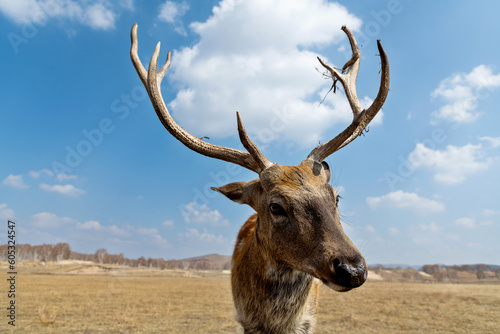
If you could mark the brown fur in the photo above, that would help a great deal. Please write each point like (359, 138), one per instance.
(274, 300)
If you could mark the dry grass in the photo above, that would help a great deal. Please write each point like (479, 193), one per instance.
(384, 307)
(170, 302)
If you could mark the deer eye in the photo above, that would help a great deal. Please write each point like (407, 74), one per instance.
(276, 209)
(337, 199)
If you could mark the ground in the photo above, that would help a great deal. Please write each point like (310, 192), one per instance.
(88, 298)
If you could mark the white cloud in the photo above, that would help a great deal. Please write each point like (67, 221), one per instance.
(22, 11)
(453, 165)
(118, 232)
(466, 222)
(90, 225)
(97, 14)
(6, 213)
(132, 234)
(151, 235)
(462, 91)
(263, 69)
(205, 237)
(201, 214)
(482, 77)
(66, 189)
(36, 174)
(91, 232)
(50, 220)
(146, 235)
(59, 177)
(15, 181)
(172, 12)
(99, 17)
(158, 240)
(403, 200)
(493, 141)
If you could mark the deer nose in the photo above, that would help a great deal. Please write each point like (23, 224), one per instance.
(350, 274)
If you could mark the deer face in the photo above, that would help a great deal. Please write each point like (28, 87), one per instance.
(299, 224)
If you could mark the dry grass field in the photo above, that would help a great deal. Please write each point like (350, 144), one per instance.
(98, 300)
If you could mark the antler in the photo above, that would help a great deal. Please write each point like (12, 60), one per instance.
(361, 117)
(253, 159)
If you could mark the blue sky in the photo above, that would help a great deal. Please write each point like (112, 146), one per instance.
(86, 161)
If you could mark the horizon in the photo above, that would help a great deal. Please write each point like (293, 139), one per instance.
(87, 162)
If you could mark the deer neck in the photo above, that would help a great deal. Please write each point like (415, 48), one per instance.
(271, 297)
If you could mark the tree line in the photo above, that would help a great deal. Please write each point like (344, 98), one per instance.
(62, 251)
(441, 273)
(449, 273)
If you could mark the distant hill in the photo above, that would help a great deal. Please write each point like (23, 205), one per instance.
(437, 273)
(396, 266)
(205, 262)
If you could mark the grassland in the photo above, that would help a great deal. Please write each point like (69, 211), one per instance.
(154, 301)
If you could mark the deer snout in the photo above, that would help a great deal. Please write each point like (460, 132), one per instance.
(350, 273)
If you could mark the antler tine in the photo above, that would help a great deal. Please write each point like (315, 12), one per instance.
(250, 146)
(253, 160)
(141, 71)
(361, 117)
(348, 80)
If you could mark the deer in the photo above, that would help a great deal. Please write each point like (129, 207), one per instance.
(295, 242)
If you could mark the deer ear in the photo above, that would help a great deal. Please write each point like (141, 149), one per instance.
(326, 168)
(241, 192)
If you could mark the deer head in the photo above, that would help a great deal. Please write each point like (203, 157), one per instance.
(298, 224)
